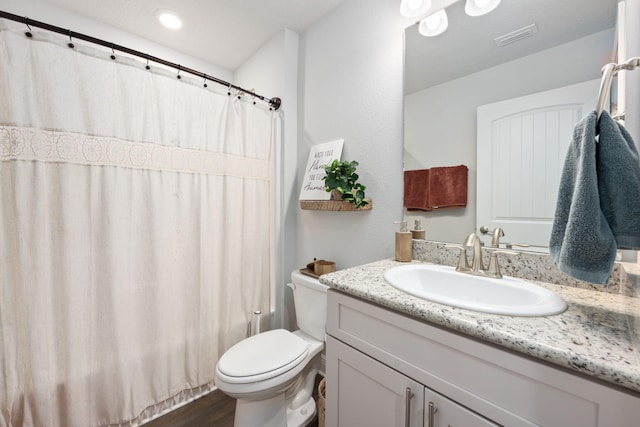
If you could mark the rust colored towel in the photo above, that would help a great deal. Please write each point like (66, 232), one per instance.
(416, 190)
(448, 187)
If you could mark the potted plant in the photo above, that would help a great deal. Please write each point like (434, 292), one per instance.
(342, 177)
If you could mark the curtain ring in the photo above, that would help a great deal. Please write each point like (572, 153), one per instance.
(229, 91)
(113, 53)
(70, 44)
(179, 69)
(27, 33)
(147, 66)
(205, 81)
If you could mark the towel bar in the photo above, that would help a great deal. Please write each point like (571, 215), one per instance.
(608, 71)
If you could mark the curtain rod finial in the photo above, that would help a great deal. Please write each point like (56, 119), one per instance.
(275, 103)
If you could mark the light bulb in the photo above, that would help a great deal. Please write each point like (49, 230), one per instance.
(169, 19)
(434, 25)
(480, 7)
(414, 8)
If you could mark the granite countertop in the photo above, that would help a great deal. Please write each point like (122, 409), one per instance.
(595, 336)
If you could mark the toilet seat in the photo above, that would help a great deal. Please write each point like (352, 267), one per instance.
(262, 357)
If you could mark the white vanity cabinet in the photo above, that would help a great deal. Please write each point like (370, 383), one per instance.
(372, 394)
(377, 358)
(390, 398)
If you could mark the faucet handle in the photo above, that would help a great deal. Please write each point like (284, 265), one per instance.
(463, 265)
(520, 245)
(494, 265)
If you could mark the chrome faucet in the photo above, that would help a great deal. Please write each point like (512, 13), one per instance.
(477, 265)
(473, 241)
(495, 237)
(496, 234)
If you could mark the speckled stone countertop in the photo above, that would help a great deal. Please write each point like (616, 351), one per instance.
(595, 336)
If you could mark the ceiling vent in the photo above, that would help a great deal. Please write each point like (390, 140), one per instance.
(516, 35)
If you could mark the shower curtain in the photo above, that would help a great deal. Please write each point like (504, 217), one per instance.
(135, 232)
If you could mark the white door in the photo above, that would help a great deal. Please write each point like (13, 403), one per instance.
(521, 147)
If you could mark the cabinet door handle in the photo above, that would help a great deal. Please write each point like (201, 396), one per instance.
(432, 413)
(407, 407)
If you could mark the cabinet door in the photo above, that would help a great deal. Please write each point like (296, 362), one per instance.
(442, 412)
(361, 391)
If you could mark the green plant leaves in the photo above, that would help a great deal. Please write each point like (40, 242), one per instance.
(342, 176)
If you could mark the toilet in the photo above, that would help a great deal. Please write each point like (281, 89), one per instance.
(272, 374)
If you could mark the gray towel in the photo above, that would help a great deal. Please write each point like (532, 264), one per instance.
(619, 182)
(598, 200)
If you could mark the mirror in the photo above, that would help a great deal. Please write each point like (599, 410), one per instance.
(449, 76)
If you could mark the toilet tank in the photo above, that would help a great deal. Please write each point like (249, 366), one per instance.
(310, 300)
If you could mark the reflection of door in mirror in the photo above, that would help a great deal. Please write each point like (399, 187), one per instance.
(441, 121)
(448, 77)
(521, 146)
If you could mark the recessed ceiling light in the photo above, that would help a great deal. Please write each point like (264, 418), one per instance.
(480, 7)
(434, 25)
(414, 8)
(169, 19)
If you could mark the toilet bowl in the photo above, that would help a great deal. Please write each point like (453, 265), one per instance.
(272, 374)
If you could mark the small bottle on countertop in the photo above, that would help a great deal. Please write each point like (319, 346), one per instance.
(418, 232)
(403, 243)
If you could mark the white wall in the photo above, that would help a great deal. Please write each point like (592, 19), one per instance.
(633, 82)
(440, 122)
(632, 122)
(351, 87)
(57, 16)
(273, 71)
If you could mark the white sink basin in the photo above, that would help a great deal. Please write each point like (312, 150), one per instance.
(444, 285)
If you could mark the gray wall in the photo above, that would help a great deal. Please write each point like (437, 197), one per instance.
(351, 88)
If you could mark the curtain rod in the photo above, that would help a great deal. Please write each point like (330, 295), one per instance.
(274, 103)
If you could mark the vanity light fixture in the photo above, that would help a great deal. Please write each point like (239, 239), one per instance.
(169, 19)
(434, 19)
(434, 25)
(414, 8)
(480, 7)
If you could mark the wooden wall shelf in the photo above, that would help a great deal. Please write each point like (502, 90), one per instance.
(333, 205)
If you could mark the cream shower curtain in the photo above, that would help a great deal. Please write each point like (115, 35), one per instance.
(135, 232)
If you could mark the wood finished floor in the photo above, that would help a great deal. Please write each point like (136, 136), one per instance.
(213, 410)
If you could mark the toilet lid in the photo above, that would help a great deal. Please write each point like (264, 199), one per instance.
(262, 353)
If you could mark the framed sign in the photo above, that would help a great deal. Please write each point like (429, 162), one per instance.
(319, 156)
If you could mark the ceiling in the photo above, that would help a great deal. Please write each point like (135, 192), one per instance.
(467, 46)
(223, 32)
(228, 32)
